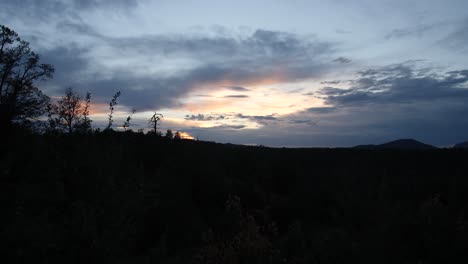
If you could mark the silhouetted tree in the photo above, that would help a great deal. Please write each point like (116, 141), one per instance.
(169, 134)
(19, 68)
(112, 104)
(70, 113)
(85, 122)
(127, 121)
(177, 136)
(153, 122)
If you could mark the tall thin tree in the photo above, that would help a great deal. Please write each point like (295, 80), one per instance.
(154, 120)
(127, 121)
(112, 104)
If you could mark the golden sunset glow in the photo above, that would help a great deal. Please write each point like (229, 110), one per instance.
(263, 98)
(99, 108)
(185, 135)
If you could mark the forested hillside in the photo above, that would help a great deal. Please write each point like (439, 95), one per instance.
(115, 197)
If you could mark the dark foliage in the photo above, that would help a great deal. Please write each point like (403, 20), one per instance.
(135, 198)
(126, 124)
(169, 134)
(70, 113)
(20, 99)
(112, 105)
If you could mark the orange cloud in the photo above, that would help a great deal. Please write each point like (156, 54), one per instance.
(98, 108)
(185, 135)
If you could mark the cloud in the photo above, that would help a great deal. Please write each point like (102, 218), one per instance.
(156, 71)
(342, 60)
(35, 15)
(304, 121)
(331, 82)
(70, 63)
(257, 117)
(414, 31)
(457, 39)
(95, 46)
(327, 91)
(84, 4)
(260, 119)
(202, 117)
(343, 31)
(231, 126)
(237, 88)
(399, 83)
(321, 110)
(52, 7)
(382, 104)
(236, 96)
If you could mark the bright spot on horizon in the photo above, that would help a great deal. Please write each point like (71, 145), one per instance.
(186, 135)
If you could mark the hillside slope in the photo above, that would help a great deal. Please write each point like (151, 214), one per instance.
(140, 199)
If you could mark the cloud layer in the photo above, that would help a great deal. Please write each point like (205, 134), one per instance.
(154, 72)
(301, 81)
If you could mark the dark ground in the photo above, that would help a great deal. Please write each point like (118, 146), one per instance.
(133, 198)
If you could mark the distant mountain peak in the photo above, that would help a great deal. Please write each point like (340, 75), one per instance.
(462, 145)
(403, 144)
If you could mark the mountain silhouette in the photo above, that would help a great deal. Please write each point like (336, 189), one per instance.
(463, 145)
(403, 144)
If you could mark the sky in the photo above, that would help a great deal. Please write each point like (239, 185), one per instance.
(277, 73)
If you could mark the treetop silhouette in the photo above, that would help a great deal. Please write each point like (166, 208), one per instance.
(20, 99)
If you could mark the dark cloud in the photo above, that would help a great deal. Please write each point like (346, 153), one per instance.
(298, 90)
(236, 96)
(399, 84)
(458, 39)
(85, 4)
(303, 122)
(46, 8)
(220, 59)
(382, 104)
(202, 117)
(153, 92)
(331, 82)
(34, 14)
(69, 62)
(80, 29)
(227, 127)
(327, 91)
(343, 31)
(414, 31)
(441, 122)
(260, 119)
(144, 93)
(261, 47)
(263, 51)
(237, 88)
(321, 110)
(342, 60)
